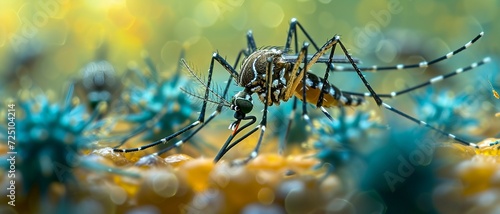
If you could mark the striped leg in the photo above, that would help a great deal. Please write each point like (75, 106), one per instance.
(153, 80)
(201, 118)
(304, 73)
(430, 82)
(358, 71)
(422, 64)
(308, 64)
(319, 103)
(292, 35)
(420, 122)
(262, 125)
(251, 46)
(222, 103)
(292, 32)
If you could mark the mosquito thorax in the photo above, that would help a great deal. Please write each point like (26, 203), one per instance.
(254, 67)
(253, 74)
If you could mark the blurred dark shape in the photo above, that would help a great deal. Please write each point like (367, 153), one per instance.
(99, 82)
(21, 62)
(402, 172)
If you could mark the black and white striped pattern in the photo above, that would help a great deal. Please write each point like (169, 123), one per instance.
(422, 64)
(430, 82)
(308, 82)
(344, 99)
(420, 122)
(161, 141)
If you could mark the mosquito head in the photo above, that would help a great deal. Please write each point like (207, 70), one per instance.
(242, 104)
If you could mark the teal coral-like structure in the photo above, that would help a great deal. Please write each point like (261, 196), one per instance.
(450, 112)
(50, 138)
(158, 104)
(340, 141)
(65, 162)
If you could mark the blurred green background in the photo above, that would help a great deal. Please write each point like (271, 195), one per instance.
(44, 44)
(47, 42)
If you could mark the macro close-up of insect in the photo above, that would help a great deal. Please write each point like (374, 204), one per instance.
(237, 106)
(275, 76)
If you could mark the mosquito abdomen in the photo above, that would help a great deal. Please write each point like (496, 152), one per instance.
(332, 96)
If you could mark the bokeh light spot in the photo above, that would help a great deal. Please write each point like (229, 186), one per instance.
(206, 13)
(265, 195)
(170, 53)
(271, 14)
(486, 11)
(188, 30)
(386, 51)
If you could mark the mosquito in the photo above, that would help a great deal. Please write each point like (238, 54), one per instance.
(275, 76)
(493, 91)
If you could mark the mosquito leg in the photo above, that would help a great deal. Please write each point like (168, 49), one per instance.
(282, 142)
(179, 143)
(207, 91)
(216, 112)
(263, 122)
(292, 34)
(146, 159)
(262, 125)
(429, 82)
(251, 46)
(422, 64)
(147, 81)
(304, 94)
(361, 76)
(329, 44)
(201, 118)
(319, 103)
(145, 126)
(420, 122)
(228, 145)
(226, 65)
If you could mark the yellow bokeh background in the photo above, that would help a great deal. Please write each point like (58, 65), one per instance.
(67, 34)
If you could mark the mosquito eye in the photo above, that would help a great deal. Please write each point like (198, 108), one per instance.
(245, 106)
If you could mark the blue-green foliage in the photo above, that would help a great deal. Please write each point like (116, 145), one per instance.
(443, 110)
(338, 141)
(49, 140)
(159, 104)
(298, 133)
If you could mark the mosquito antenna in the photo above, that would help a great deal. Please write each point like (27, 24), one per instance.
(226, 103)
